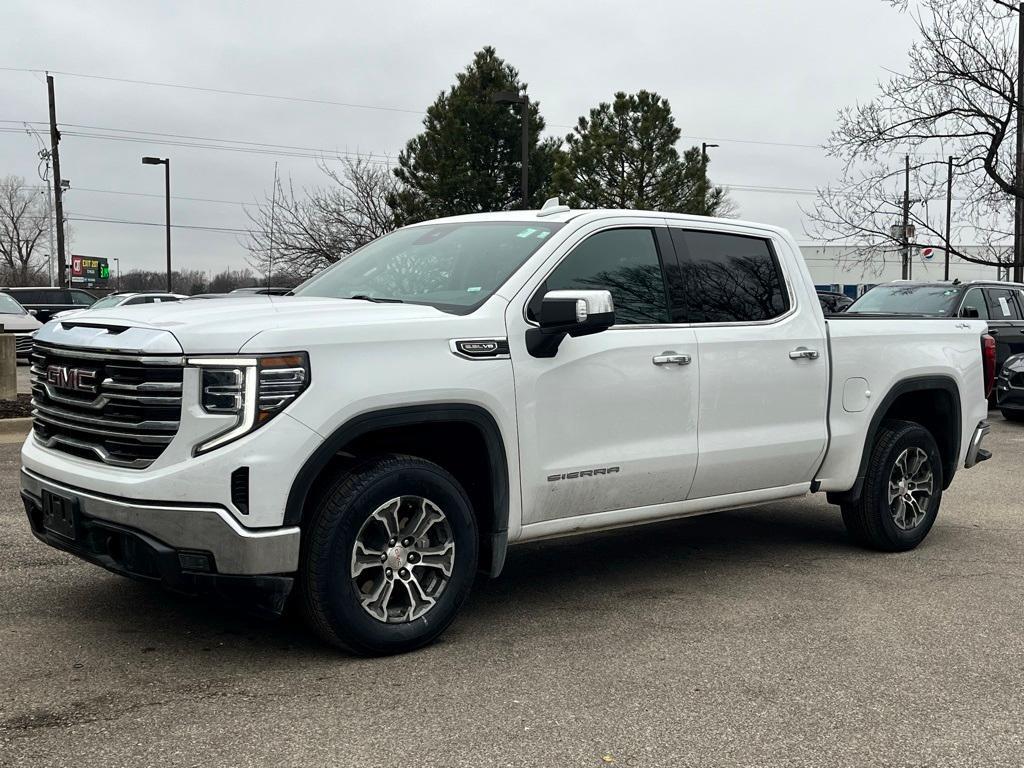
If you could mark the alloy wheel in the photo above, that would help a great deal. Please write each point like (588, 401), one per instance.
(402, 559)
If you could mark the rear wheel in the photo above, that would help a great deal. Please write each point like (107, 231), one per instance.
(1012, 415)
(389, 556)
(902, 490)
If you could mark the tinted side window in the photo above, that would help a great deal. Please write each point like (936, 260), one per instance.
(29, 297)
(81, 298)
(975, 299)
(1001, 304)
(623, 261)
(727, 278)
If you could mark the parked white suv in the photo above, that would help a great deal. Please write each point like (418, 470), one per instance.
(127, 299)
(469, 383)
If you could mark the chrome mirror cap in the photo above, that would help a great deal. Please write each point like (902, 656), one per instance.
(587, 302)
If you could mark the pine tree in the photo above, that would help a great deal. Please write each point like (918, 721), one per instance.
(624, 156)
(467, 159)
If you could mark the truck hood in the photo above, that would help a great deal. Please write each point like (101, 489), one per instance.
(221, 326)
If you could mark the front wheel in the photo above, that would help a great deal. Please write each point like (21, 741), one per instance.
(389, 556)
(1012, 415)
(902, 490)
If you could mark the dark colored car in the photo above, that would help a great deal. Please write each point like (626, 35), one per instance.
(1001, 305)
(833, 302)
(1010, 388)
(44, 302)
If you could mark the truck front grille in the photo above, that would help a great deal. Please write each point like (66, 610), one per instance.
(120, 409)
(23, 344)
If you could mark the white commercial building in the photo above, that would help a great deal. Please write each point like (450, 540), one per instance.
(836, 268)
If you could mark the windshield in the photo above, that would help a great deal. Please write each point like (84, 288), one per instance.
(908, 300)
(107, 301)
(8, 305)
(454, 267)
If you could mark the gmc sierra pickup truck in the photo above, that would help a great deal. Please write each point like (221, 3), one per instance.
(370, 443)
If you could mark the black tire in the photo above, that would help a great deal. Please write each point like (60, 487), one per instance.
(869, 521)
(329, 597)
(1012, 415)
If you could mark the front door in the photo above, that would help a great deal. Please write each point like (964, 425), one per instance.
(607, 423)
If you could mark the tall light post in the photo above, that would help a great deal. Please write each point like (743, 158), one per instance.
(514, 97)
(117, 261)
(704, 147)
(166, 163)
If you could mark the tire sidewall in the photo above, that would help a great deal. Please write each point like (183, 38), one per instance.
(339, 594)
(916, 437)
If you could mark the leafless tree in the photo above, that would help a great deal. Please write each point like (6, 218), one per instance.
(957, 97)
(23, 225)
(297, 233)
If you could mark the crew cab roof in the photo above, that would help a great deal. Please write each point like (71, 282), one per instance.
(592, 214)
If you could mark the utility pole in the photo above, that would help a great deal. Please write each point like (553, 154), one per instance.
(58, 189)
(949, 213)
(906, 221)
(1018, 208)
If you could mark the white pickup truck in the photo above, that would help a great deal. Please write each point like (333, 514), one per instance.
(372, 441)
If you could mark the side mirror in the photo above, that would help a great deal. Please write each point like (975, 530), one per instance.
(569, 313)
(970, 312)
(33, 312)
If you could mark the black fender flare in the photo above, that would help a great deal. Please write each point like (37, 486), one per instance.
(913, 384)
(372, 421)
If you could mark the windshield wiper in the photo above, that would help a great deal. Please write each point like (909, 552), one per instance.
(376, 299)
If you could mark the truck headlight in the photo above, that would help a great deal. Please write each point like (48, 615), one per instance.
(253, 389)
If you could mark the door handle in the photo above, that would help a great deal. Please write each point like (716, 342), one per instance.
(803, 353)
(993, 331)
(670, 358)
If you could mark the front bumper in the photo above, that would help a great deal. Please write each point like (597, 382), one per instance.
(975, 453)
(186, 547)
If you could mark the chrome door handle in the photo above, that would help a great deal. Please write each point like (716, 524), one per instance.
(803, 353)
(670, 358)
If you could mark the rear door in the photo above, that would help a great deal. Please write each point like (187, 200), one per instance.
(1005, 322)
(763, 362)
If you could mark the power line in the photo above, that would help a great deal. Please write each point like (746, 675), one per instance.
(352, 105)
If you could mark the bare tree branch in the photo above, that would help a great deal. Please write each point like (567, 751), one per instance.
(296, 234)
(23, 222)
(957, 97)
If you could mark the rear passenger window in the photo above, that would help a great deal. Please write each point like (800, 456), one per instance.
(1002, 305)
(726, 278)
(622, 261)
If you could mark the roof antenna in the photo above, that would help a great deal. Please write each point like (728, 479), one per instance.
(552, 206)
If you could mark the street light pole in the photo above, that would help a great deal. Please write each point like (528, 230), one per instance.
(704, 147)
(166, 163)
(514, 97)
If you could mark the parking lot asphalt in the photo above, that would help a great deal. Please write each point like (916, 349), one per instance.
(757, 637)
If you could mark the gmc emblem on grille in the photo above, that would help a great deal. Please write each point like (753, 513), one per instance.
(65, 377)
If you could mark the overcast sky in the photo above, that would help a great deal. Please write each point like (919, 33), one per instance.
(735, 72)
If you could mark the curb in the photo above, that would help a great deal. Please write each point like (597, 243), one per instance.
(11, 428)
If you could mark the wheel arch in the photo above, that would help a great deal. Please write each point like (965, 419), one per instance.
(400, 429)
(931, 401)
